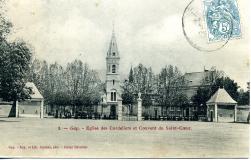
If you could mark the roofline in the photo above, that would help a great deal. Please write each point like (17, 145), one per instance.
(198, 72)
(221, 103)
(34, 99)
(197, 86)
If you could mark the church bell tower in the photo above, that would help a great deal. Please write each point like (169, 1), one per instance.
(113, 92)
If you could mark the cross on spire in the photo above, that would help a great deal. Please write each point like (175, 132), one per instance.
(113, 24)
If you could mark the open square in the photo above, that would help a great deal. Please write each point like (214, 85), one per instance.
(84, 138)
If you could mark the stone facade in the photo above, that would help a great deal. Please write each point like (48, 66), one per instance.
(111, 101)
(30, 108)
(221, 107)
(33, 107)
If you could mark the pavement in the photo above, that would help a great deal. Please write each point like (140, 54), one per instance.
(79, 138)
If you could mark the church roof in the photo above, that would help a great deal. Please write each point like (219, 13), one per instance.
(35, 94)
(113, 48)
(221, 97)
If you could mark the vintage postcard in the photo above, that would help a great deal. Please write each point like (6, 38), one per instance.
(124, 78)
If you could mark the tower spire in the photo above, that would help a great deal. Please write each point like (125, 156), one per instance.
(113, 92)
(113, 49)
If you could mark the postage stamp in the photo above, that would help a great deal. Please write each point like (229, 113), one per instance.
(222, 19)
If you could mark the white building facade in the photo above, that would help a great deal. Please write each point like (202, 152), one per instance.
(112, 102)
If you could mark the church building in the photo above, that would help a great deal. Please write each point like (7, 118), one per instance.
(111, 102)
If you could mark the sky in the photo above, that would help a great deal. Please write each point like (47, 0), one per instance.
(147, 31)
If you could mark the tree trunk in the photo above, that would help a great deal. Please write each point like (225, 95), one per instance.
(52, 111)
(161, 108)
(64, 110)
(101, 111)
(13, 110)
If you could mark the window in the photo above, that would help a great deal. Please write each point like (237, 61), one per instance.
(231, 115)
(113, 82)
(113, 54)
(113, 68)
(113, 96)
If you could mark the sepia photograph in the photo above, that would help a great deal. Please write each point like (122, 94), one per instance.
(124, 79)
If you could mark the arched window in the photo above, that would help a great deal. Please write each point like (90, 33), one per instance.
(113, 54)
(113, 96)
(113, 68)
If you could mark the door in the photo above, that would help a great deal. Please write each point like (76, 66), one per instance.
(156, 113)
(113, 112)
(211, 116)
(187, 112)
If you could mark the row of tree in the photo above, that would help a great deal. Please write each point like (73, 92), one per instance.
(78, 86)
(165, 88)
(75, 85)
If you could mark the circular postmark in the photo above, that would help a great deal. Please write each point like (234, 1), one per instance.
(206, 31)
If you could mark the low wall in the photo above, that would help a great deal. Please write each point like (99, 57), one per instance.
(5, 110)
(29, 109)
(242, 115)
